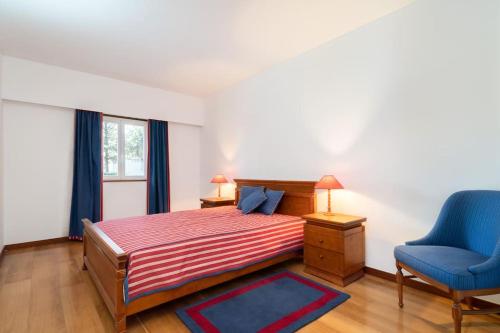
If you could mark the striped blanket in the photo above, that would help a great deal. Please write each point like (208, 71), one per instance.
(169, 250)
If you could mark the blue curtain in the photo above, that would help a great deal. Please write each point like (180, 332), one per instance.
(158, 173)
(87, 172)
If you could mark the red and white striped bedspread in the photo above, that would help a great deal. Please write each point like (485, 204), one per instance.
(168, 250)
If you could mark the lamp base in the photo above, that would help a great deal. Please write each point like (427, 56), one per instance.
(328, 213)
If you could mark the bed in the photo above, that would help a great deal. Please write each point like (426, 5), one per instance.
(138, 263)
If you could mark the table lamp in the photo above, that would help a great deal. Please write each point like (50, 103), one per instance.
(219, 179)
(329, 182)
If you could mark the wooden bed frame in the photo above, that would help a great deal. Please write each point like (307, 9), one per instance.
(107, 262)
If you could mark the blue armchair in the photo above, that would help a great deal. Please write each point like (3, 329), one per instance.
(461, 254)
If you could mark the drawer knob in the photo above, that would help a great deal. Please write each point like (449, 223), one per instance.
(321, 241)
(321, 256)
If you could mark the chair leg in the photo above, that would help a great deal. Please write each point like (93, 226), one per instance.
(456, 311)
(399, 280)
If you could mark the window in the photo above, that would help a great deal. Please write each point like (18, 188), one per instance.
(124, 149)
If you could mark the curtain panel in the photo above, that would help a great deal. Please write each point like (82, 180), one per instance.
(158, 198)
(86, 200)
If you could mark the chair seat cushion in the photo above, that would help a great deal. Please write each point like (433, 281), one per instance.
(444, 264)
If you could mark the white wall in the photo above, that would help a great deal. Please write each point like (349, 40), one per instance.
(184, 152)
(33, 82)
(404, 111)
(122, 199)
(38, 171)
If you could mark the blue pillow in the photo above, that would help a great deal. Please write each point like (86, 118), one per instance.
(273, 199)
(252, 201)
(245, 191)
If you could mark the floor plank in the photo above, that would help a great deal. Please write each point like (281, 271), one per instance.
(14, 306)
(43, 289)
(45, 307)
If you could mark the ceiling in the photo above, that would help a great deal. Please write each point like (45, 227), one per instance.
(195, 47)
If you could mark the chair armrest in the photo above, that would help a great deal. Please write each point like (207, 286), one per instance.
(490, 264)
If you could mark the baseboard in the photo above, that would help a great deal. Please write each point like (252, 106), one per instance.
(1, 254)
(476, 302)
(35, 243)
(410, 283)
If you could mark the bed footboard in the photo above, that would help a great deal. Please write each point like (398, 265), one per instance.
(106, 263)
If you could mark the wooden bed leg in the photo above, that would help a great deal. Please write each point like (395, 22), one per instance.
(84, 267)
(400, 280)
(456, 310)
(120, 323)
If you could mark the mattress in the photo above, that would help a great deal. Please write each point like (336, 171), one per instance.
(168, 250)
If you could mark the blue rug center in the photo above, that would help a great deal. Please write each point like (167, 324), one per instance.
(261, 306)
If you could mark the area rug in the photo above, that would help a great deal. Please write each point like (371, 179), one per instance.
(283, 302)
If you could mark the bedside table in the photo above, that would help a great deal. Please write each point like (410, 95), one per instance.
(334, 247)
(216, 202)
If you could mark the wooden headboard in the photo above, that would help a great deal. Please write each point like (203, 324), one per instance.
(299, 198)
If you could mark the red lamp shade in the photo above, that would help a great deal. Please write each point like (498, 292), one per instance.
(328, 182)
(219, 179)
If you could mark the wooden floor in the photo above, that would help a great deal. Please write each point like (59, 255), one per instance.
(43, 289)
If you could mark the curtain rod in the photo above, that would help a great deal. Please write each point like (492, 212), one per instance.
(123, 117)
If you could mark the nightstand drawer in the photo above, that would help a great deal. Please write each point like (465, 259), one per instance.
(329, 239)
(323, 259)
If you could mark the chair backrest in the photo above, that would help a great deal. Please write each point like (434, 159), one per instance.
(470, 220)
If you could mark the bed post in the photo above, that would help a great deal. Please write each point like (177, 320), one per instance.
(120, 315)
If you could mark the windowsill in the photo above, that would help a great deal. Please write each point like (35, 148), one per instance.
(123, 180)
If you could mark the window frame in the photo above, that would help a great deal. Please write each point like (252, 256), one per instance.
(121, 148)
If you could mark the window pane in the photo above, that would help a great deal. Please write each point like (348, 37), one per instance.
(134, 150)
(110, 148)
